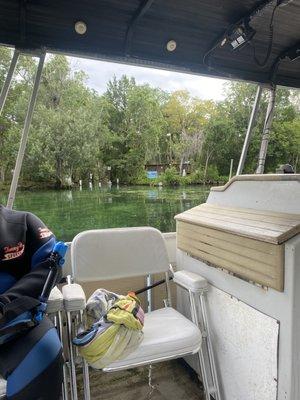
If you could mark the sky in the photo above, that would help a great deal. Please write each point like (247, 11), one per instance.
(100, 72)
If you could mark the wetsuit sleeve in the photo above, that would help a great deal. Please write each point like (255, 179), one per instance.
(39, 244)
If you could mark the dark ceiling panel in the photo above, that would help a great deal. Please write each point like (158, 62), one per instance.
(194, 24)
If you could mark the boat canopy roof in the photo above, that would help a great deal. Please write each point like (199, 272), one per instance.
(257, 41)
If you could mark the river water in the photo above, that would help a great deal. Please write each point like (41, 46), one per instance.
(70, 211)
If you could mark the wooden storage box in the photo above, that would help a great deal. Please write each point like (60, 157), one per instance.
(246, 242)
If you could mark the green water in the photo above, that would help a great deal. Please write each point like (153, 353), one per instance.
(68, 212)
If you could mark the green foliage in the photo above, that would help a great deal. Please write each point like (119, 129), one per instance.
(136, 121)
(170, 177)
(76, 132)
(140, 178)
(210, 176)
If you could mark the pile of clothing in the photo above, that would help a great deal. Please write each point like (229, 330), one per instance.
(116, 324)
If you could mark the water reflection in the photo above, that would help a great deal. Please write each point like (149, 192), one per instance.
(69, 195)
(151, 194)
(69, 212)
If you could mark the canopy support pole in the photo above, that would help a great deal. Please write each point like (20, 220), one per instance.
(24, 138)
(249, 130)
(8, 79)
(266, 131)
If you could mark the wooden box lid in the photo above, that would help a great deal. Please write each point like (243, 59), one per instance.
(265, 226)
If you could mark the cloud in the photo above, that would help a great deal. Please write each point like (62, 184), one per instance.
(100, 72)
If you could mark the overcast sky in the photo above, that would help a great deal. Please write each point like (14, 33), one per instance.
(100, 72)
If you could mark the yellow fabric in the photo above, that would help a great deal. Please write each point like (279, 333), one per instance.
(125, 341)
(121, 313)
(98, 347)
(121, 337)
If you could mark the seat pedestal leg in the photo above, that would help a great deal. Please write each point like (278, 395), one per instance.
(205, 354)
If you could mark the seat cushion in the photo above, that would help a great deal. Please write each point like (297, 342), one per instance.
(2, 387)
(167, 334)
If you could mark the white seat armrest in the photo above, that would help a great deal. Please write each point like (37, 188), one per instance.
(2, 388)
(55, 302)
(74, 297)
(190, 281)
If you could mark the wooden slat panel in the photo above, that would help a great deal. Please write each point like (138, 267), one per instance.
(270, 255)
(263, 225)
(250, 259)
(256, 245)
(229, 256)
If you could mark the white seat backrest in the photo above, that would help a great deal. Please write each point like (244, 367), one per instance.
(67, 268)
(105, 254)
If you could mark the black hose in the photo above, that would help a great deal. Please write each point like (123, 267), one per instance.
(146, 288)
(270, 44)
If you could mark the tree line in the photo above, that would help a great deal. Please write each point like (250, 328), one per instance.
(76, 131)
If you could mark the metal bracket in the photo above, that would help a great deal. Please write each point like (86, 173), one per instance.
(223, 38)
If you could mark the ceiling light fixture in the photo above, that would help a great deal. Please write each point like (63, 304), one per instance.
(171, 45)
(80, 27)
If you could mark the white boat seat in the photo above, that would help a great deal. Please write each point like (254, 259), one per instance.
(167, 334)
(2, 387)
(117, 253)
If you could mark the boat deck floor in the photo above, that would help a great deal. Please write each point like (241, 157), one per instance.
(173, 380)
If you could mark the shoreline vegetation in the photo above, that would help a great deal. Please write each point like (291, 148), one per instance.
(78, 134)
(169, 178)
(177, 181)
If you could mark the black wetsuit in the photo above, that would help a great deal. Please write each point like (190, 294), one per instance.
(31, 364)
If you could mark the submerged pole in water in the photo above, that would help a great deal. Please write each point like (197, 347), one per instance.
(266, 131)
(249, 130)
(22, 147)
(8, 79)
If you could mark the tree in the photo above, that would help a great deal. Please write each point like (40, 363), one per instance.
(237, 110)
(68, 125)
(12, 118)
(187, 118)
(136, 123)
(76, 131)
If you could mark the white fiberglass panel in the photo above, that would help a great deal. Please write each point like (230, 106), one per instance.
(245, 343)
